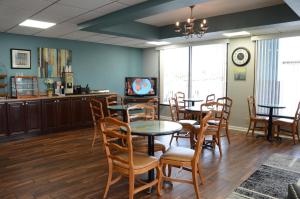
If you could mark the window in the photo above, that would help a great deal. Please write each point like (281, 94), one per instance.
(174, 72)
(208, 72)
(197, 71)
(278, 72)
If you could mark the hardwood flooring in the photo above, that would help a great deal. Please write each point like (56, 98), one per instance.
(62, 166)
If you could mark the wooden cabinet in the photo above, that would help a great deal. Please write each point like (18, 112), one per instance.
(33, 115)
(24, 116)
(56, 114)
(81, 113)
(16, 117)
(3, 118)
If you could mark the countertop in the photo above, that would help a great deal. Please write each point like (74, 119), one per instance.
(56, 97)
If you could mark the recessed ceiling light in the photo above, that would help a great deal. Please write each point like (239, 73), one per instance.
(158, 43)
(37, 24)
(233, 34)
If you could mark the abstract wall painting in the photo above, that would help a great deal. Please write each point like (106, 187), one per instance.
(240, 73)
(51, 62)
(20, 58)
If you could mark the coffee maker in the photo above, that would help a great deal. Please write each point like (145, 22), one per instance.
(68, 82)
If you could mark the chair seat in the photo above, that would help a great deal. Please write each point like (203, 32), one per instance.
(262, 118)
(179, 154)
(140, 160)
(283, 121)
(142, 146)
(191, 122)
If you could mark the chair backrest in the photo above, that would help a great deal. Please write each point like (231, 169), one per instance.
(173, 109)
(180, 96)
(215, 108)
(297, 114)
(210, 98)
(251, 106)
(96, 110)
(114, 148)
(155, 103)
(114, 99)
(140, 112)
(227, 104)
(200, 136)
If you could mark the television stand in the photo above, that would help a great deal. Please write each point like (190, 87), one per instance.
(140, 100)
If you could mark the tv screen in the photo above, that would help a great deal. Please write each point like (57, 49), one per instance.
(140, 86)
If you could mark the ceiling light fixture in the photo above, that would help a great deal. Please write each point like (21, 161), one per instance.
(192, 27)
(234, 34)
(37, 24)
(158, 43)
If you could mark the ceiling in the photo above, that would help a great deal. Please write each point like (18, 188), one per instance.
(134, 22)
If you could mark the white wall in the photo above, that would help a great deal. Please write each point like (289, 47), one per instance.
(237, 90)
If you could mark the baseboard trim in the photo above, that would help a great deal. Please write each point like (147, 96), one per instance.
(238, 128)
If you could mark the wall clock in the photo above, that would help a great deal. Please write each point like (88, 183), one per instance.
(240, 56)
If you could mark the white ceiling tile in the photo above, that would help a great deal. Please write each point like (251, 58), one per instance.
(24, 30)
(131, 2)
(58, 30)
(58, 13)
(29, 5)
(86, 4)
(78, 35)
(98, 37)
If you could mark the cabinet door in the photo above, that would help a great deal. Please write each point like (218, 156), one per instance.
(16, 117)
(76, 111)
(63, 114)
(49, 115)
(86, 115)
(33, 115)
(3, 120)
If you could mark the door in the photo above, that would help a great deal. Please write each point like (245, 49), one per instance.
(63, 114)
(3, 120)
(49, 115)
(16, 117)
(33, 115)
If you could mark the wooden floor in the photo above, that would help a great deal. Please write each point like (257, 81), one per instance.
(62, 166)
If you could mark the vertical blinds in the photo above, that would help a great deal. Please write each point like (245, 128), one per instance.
(266, 79)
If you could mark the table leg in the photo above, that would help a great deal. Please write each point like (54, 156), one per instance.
(270, 123)
(193, 103)
(125, 119)
(151, 174)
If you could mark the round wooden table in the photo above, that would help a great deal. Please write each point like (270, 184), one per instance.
(151, 128)
(270, 122)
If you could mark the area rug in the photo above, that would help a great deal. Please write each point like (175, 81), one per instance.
(271, 179)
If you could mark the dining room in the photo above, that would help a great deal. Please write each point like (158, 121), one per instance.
(149, 99)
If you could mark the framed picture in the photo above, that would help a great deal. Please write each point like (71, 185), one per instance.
(20, 58)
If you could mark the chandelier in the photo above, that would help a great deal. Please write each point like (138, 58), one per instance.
(192, 27)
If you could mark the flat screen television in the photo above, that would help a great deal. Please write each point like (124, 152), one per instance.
(140, 86)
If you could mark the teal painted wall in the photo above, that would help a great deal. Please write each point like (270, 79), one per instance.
(99, 65)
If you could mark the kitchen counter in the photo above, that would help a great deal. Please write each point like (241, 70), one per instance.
(56, 97)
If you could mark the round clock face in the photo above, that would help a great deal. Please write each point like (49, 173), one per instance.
(240, 56)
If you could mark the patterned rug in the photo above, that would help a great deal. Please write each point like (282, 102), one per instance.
(271, 179)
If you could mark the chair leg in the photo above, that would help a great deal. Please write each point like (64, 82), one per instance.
(169, 170)
(108, 183)
(227, 133)
(200, 174)
(159, 182)
(254, 126)
(131, 186)
(293, 134)
(249, 128)
(94, 139)
(219, 144)
(195, 181)
(297, 134)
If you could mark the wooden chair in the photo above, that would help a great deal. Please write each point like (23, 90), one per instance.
(155, 103)
(114, 100)
(143, 112)
(255, 119)
(214, 130)
(179, 97)
(292, 124)
(97, 114)
(122, 160)
(226, 105)
(210, 98)
(186, 131)
(187, 159)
